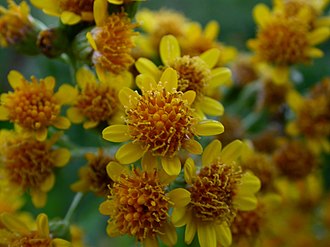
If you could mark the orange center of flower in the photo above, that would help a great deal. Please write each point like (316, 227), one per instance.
(28, 162)
(77, 6)
(114, 43)
(32, 105)
(193, 73)
(161, 122)
(283, 42)
(273, 95)
(293, 7)
(97, 101)
(141, 206)
(295, 160)
(212, 192)
(33, 239)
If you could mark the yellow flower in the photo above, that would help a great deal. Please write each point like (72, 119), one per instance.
(196, 73)
(15, 23)
(29, 164)
(34, 106)
(218, 190)
(159, 123)
(111, 39)
(16, 233)
(97, 100)
(139, 205)
(295, 45)
(70, 11)
(93, 176)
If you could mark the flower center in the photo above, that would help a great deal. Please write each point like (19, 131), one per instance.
(32, 105)
(193, 73)
(77, 6)
(283, 42)
(141, 204)
(114, 43)
(28, 162)
(33, 239)
(97, 102)
(161, 122)
(212, 192)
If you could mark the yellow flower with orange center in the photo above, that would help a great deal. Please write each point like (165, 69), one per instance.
(93, 176)
(17, 233)
(295, 45)
(197, 73)
(159, 123)
(70, 11)
(34, 106)
(111, 39)
(218, 190)
(15, 23)
(139, 205)
(97, 100)
(29, 164)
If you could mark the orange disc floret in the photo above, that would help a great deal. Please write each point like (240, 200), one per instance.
(77, 6)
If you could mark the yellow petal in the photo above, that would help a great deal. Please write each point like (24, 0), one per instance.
(14, 224)
(212, 30)
(150, 242)
(114, 170)
(4, 114)
(129, 153)
(42, 225)
(60, 157)
(117, 2)
(146, 66)
(190, 231)
(190, 96)
(170, 237)
(84, 76)
(314, 52)
(206, 235)
(211, 106)
(62, 123)
(75, 115)
(48, 184)
(261, 14)
(50, 82)
(100, 10)
(106, 207)
(149, 162)
(245, 203)
(90, 124)
(223, 234)
(128, 97)
(57, 242)
(116, 133)
(231, 151)
(39, 198)
(170, 79)
(211, 57)
(208, 128)
(179, 216)
(180, 197)
(91, 40)
(318, 35)
(172, 166)
(145, 82)
(280, 75)
(294, 100)
(41, 134)
(169, 49)
(15, 79)
(211, 152)
(66, 94)
(249, 184)
(220, 76)
(193, 146)
(189, 170)
(70, 18)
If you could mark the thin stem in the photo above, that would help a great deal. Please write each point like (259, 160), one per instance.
(73, 207)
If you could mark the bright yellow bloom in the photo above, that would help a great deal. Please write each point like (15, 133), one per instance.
(139, 205)
(34, 106)
(196, 73)
(159, 123)
(15, 23)
(29, 164)
(16, 233)
(70, 11)
(295, 45)
(97, 100)
(93, 176)
(111, 39)
(218, 190)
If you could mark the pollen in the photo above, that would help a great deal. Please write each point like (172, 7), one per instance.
(32, 105)
(77, 6)
(32, 239)
(114, 43)
(283, 42)
(193, 73)
(97, 101)
(212, 193)
(162, 121)
(141, 205)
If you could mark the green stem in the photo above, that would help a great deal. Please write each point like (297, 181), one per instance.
(73, 207)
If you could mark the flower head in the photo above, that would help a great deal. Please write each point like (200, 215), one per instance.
(159, 123)
(97, 100)
(16, 233)
(218, 190)
(70, 11)
(34, 106)
(29, 164)
(139, 205)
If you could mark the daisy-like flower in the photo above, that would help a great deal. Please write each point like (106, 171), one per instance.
(93, 176)
(196, 73)
(70, 11)
(34, 106)
(111, 39)
(97, 100)
(139, 205)
(17, 233)
(217, 191)
(295, 45)
(159, 123)
(29, 164)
